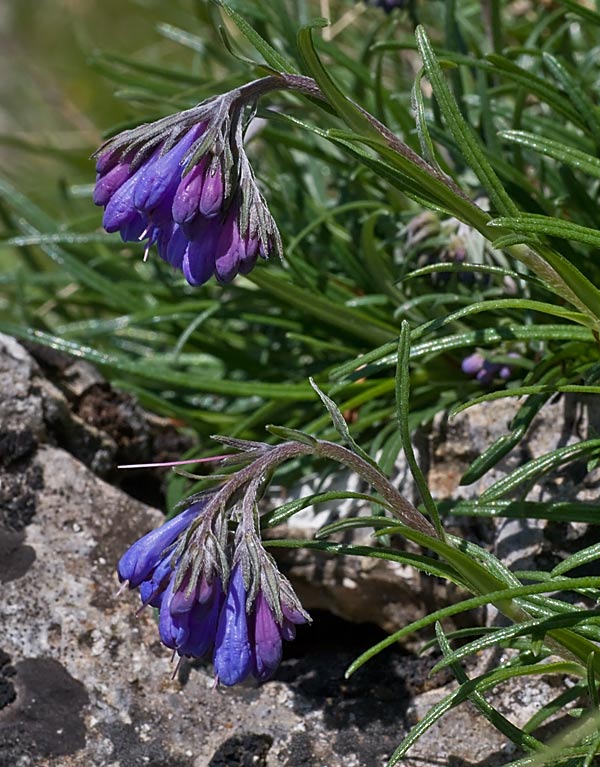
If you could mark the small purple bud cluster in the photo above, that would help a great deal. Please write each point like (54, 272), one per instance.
(237, 607)
(185, 184)
(484, 371)
(389, 5)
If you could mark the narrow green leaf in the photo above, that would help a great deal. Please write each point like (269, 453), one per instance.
(536, 628)
(499, 721)
(418, 177)
(402, 415)
(504, 444)
(426, 564)
(349, 320)
(497, 597)
(61, 238)
(589, 554)
(340, 425)
(350, 113)
(36, 223)
(462, 132)
(562, 511)
(287, 510)
(283, 432)
(270, 55)
(562, 276)
(558, 150)
(522, 391)
(585, 13)
(164, 374)
(386, 356)
(181, 37)
(480, 684)
(576, 94)
(353, 523)
(535, 223)
(554, 707)
(538, 466)
(538, 86)
(418, 105)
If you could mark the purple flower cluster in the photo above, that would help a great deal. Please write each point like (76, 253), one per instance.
(202, 611)
(484, 371)
(388, 5)
(185, 184)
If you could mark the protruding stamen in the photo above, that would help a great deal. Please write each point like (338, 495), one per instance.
(172, 463)
(144, 234)
(122, 589)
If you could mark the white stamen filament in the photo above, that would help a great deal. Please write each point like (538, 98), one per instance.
(170, 463)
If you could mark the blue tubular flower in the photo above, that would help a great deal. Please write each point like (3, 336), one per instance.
(152, 589)
(244, 626)
(202, 623)
(217, 589)
(199, 255)
(230, 249)
(211, 195)
(233, 656)
(185, 183)
(267, 645)
(112, 180)
(187, 195)
(249, 638)
(141, 560)
(188, 618)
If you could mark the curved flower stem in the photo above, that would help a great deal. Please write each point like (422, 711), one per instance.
(402, 508)
(309, 87)
(564, 279)
(249, 478)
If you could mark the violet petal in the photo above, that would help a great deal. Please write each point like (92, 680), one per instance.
(233, 657)
(143, 556)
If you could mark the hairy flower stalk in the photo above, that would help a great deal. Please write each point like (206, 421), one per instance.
(218, 592)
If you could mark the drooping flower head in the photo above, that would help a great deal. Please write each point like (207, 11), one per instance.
(216, 595)
(184, 184)
(218, 591)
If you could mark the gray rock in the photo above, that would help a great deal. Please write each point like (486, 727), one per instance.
(456, 442)
(85, 682)
(94, 685)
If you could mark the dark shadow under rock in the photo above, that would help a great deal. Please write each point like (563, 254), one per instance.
(7, 688)
(18, 493)
(131, 748)
(46, 717)
(362, 717)
(15, 555)
(16, 444)
(248, 750)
